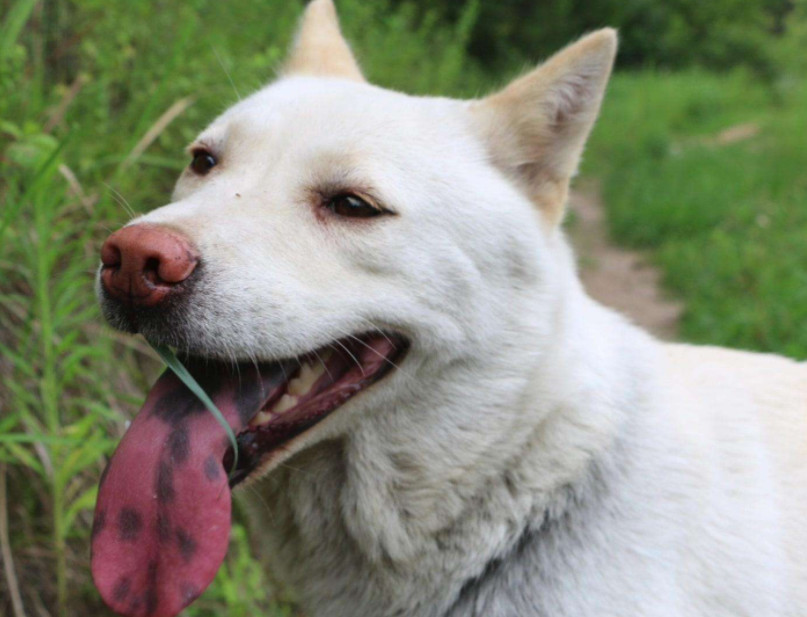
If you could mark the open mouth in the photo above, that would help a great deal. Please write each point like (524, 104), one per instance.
(162, 518)
(323, 381)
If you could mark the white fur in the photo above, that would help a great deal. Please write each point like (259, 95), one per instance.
(535, 454)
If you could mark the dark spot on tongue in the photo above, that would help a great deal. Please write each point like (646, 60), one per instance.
(163, 514)
(129, 524)
(187, 545)
(152, 594)
(212, 469)
(163, 527)
(165, 483)
(122, 588)
(179, 445)
(175, 405)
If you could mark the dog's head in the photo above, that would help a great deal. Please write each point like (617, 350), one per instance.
(331, 235)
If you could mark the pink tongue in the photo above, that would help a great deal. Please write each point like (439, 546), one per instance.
(162, 521)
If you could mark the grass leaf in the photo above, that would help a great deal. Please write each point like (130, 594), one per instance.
(180, 371)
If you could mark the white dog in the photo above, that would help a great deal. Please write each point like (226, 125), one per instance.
(446, 424)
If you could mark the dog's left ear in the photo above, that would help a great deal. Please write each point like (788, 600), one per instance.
(319, 47)
(535, 128)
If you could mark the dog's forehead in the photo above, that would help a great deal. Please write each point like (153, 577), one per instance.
(333, 110)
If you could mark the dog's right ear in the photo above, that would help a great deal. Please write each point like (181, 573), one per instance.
(535, 128)
(319, 47)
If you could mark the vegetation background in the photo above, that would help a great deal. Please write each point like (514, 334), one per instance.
(700, 153)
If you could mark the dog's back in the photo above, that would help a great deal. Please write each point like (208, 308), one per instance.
(744, 415)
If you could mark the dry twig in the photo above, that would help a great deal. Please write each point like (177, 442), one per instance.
(158, 127)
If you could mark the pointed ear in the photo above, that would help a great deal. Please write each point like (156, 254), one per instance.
(319, 47)
(535, 128)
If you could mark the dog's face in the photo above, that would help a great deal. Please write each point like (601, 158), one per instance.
(326, 213)
(334, 208)
(329, 236)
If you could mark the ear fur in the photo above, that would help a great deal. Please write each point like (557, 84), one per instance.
(319, 47)
(535, 128)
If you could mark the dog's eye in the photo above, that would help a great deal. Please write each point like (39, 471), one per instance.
(353, 206)
(202, 162)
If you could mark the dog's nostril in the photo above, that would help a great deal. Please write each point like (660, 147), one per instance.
(151, 271)
(152, 263)
(111, 255)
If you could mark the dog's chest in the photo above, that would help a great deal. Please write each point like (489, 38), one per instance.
(309, 518)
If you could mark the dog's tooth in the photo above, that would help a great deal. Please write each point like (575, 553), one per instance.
(302, 383)
(285, 403)
(263, 417)
(297, 387)
(308, 376)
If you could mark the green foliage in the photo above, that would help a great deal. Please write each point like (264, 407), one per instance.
(708, 172)
(790, 49)
(241, 586)
(671, 34)
(83, 88)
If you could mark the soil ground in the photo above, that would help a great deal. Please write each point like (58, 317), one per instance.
(619, 278)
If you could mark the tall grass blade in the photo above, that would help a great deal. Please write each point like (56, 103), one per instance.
(13, 25)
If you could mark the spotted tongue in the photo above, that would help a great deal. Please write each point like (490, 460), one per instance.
(162, 521)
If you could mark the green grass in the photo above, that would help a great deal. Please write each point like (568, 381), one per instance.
(726, 222)
(82, 148)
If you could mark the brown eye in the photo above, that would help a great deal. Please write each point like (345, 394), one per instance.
(203, 161)
(350, 205)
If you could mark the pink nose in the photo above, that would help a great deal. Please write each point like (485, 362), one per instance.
(143, 264)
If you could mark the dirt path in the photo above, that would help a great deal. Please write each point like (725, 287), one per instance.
(619, 278)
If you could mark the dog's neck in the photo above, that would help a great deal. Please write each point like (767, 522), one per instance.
(408, 512)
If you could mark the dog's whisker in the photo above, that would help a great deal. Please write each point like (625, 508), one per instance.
(347, 351)
(379, 354)
(263, 501)
(122, 205)
(379, 331)
(237, 366)
(305, 472)
(253, 360)
(285, 375)
(226, 72)
(324, 365)
(121, 200)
